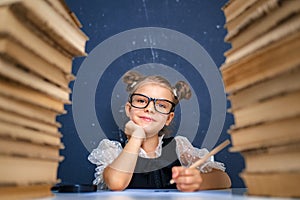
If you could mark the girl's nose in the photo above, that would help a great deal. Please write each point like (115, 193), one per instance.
(150, 107)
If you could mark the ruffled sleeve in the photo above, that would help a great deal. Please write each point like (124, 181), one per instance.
(188, 154)
(106, 152)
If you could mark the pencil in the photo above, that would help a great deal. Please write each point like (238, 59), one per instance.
(211, 153)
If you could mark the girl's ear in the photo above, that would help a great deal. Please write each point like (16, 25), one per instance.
(127, 109)
(170, 118)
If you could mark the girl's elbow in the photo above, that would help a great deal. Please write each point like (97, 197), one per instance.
(216, 179)
(117, 187)
(116, 184)
(228, 183)
(224, 180)
(113, 181)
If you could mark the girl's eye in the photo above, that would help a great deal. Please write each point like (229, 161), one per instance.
(162, 105)
(142, 101)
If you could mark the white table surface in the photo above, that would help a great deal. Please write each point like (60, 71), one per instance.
(234, 193)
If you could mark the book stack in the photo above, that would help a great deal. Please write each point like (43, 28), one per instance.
(261, 75)
(38, 40)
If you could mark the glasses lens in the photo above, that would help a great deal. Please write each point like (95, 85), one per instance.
(139, 101)
(163, 106)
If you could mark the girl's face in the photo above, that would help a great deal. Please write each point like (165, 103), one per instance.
(148, 118)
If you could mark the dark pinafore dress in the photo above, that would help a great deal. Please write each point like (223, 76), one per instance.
(156, 173)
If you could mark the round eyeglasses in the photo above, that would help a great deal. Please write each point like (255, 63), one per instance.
(163, 106)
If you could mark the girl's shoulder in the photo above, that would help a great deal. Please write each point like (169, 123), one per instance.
(182, 139)
(183, 143)
(106, 143)
(105, 151)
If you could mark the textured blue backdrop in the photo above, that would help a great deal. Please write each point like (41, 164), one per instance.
(201, 20)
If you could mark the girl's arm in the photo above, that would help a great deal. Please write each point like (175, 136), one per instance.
(118, 174)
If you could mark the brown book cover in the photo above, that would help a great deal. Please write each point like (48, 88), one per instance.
(21, 92)
(277, 132)
(292, 25)
(274, 59)
(266, 88)
(29, 110)
(21, 120)
(21, 170)
(233, 8)
(61, 7)
(276, 184)
(269, 16)
(13, 72)
(282, 158)
(32, 191)
(245, 14)
(261, 77)
(12, 50)
(52, 24)
(270, 109)
(31, 149)
(37, 45)
(13, 130)
(12, 26)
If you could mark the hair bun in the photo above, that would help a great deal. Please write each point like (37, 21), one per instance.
(183, 90)
(131, 78)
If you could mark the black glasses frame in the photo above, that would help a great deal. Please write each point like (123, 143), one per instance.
(154, 101)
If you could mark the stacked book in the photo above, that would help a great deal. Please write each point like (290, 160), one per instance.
(38, 40)
(261, 75)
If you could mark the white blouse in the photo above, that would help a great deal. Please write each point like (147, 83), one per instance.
(107, 151)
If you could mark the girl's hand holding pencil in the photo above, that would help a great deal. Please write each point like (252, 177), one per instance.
(192, 173)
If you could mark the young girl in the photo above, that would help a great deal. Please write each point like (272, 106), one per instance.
(150, 159)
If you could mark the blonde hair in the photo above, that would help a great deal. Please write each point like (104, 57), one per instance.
(133, 79)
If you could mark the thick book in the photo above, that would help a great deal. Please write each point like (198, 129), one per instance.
(32, 191)
(245, 14)
(12, 130)
(277, 132)
(282, 158)
(274, 108)
(12, 26)
(24, 57)
(12, 71)
(29, 110)
(53, 25)
(38, 42)
(62, 8)
(278, 184)
(31, 149)
(276, 58)
(269, 16)
(280, 32)
(21, 170)
(279, 84)
(234, 8)
(21, 120)
(27, 94)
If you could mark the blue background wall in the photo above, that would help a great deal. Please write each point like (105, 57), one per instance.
(201, 20)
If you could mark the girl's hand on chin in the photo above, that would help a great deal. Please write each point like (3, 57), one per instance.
(134, 130)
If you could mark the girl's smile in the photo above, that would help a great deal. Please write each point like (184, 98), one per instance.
(147, 119)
